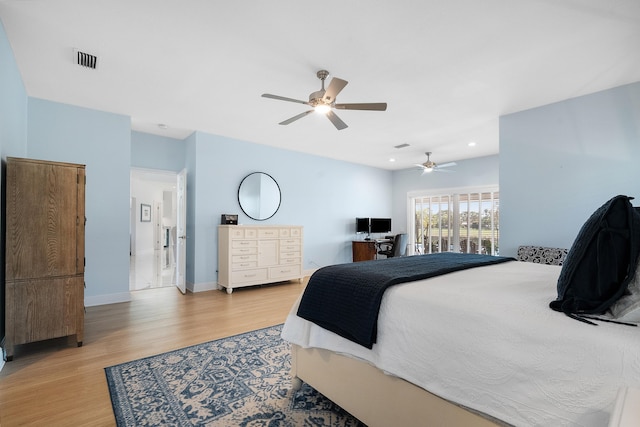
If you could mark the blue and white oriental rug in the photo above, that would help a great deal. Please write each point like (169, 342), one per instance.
(243, 380)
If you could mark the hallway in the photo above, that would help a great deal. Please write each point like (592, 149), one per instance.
(148, 271)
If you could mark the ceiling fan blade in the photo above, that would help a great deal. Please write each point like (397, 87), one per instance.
(371, 106)
(335, 86)
(442, 170)
(284, 98)
(446, 165)
(294, 118)
(339, 124)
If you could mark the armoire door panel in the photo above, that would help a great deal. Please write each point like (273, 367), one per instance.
(43, 225)
(45, 308)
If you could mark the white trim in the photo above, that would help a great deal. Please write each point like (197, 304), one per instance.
(201, 287)
(107, 299)
(451, 191)
(158, 174)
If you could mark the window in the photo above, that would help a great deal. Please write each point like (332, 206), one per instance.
(457, 222)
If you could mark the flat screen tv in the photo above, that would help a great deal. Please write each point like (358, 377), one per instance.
(362, 225)
(381, 225)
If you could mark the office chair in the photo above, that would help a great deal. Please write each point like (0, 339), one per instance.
(396, 248)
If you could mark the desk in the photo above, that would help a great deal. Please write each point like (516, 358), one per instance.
(364, 250)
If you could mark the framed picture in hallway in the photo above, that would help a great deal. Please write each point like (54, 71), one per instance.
(145, 213)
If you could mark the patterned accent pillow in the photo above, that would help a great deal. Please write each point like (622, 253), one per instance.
(542, 255)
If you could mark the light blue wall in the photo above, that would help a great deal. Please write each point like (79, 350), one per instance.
(13, 132)
(13, 103)
(560, 162)
(476, 172)
(323, 195)
(157, 152)
(102, 142)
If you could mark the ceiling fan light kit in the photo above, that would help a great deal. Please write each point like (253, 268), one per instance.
(324, 102)
(429, 166)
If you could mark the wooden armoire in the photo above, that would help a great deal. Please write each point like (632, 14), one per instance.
(44, 241)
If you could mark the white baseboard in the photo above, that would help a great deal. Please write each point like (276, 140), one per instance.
(126, 296)
(201, 287)
(90, 301)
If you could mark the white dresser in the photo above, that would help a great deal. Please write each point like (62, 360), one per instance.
(257, 254)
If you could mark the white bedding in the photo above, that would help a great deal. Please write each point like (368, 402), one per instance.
(486, 338)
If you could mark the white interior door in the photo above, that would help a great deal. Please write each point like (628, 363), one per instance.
(181, 230)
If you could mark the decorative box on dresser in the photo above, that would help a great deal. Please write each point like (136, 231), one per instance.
(257, 254)
(44, 241)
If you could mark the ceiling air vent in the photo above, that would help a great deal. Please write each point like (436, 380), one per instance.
(401, 146)
(85, 59)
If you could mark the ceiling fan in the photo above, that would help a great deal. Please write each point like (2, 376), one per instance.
(429, 166)
(324, 101)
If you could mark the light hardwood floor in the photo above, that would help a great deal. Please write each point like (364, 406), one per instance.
(55, 383)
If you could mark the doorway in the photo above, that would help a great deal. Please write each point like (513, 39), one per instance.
(153, 217)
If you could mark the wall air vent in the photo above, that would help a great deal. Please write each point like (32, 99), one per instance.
(85, 59)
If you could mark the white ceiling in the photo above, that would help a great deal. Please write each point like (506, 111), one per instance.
(447, 69)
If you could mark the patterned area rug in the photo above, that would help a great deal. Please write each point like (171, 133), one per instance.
(243, 380)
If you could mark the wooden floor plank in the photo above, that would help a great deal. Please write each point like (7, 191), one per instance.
(56, 383)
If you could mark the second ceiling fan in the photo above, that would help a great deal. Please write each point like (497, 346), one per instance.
(324, 101)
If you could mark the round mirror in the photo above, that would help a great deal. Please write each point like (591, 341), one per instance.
(259, 196)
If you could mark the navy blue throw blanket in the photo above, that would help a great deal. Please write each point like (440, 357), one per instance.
(345, 298)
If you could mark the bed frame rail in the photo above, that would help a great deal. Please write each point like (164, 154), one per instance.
(373, 397)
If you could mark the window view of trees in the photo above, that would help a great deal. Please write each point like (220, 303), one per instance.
(457, 223)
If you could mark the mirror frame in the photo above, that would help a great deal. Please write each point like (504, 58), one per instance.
(246, 207)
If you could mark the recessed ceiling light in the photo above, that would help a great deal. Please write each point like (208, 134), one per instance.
(392, 159)
(162, 126)
(472, 144)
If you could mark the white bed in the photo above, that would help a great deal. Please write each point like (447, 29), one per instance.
(484, 339)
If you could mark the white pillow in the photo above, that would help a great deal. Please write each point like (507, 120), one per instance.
(627, 308)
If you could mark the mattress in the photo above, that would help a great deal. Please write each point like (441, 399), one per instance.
(486, 339)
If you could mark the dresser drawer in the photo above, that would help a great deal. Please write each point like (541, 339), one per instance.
(296, 232)
(289, 255)
(244, 251)
(244, 258)
(288, 261)
(243, 265)
(268, 233)
(236, 233)
(244, 244)
(289, 248)
(246, 276)
(287, 271)
(285, 232)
